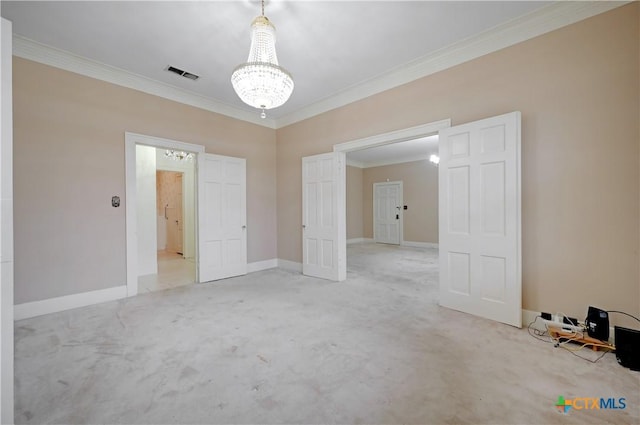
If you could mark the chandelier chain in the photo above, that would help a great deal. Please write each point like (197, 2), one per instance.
(262, 7)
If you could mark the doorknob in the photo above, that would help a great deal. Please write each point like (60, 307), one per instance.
(244, 227)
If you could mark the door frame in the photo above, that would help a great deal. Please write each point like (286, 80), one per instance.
(130, 141)
(382, 139)
(400, 214)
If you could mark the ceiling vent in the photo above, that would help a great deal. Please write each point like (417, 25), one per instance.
(182, 73)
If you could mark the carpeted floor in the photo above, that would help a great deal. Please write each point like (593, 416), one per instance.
(278, 347)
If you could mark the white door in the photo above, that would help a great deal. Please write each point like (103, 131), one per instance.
(479, 219)
(222, 217)
(323, 228)
(387, 212)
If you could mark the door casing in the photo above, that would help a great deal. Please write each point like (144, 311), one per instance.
(386, 139)
(131, 140)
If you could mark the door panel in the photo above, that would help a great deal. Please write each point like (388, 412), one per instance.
(324, 230)
(222, 235)
(480, 215)
(387, 215)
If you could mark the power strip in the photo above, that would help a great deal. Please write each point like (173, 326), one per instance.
(564, 326)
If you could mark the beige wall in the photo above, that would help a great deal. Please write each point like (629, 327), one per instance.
(354, 203)
(577, 89)
(420, 195)
(69, 162)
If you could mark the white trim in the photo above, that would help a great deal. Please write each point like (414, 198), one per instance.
(391, 137)
(419, 244)
(529, 316)
(130, 142)
(262, 265)
(6, 227)
(385, 162)
(52, 56)
(289, 265)
(538, 22)
(353, 163)
(68, 302)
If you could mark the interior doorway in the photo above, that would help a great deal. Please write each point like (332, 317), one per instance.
(149, 266)
(392, 187)
(324, 182)
(168, 184)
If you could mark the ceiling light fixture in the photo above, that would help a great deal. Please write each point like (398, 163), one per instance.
(178, 155)
(261, 82)
(435, 159)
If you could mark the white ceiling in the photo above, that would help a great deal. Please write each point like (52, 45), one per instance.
(395, 153)
(327, 46)
(337, 51)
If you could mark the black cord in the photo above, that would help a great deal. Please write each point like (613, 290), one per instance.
(622, 312)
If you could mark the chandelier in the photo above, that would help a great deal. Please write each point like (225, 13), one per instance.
(261, 82)
(178, 155)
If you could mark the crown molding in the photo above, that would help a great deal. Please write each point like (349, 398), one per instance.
(48, 55)
(541, 21)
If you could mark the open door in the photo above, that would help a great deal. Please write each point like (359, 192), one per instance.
(222, 217)
(479, 219)
(323, 227)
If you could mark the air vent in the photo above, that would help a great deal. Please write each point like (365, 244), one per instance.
(182, 73)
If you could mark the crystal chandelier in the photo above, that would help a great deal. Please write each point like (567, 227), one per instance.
(261, 82)
(178, 155)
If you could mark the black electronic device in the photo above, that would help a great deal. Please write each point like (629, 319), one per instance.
(627, 347)
(597, 322)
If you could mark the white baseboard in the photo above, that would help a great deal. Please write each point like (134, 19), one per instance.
(359, 240)
(262, 265)
(529, 316)
(290, 265)
(419, 244)
(68, 302)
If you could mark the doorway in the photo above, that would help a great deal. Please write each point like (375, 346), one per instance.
(166, 185)
(479, 226)
(215, 233)
(324, 233)
(144, 157)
